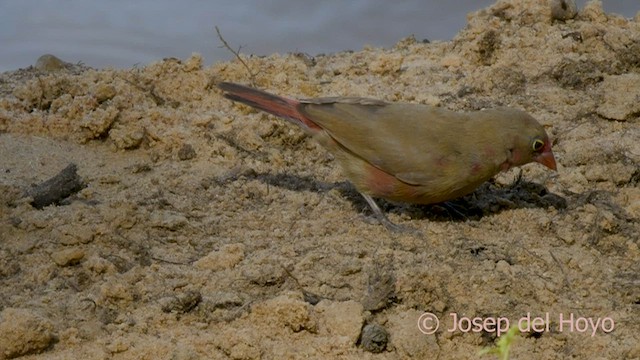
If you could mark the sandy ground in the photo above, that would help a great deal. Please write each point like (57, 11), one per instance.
(208, 230)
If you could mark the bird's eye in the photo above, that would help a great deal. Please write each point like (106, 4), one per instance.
(537, 145)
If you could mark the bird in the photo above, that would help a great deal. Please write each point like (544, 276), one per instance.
(406, 152)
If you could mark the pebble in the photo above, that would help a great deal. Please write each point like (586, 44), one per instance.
(186, 152)
(23, 332)
(227, 257)
(563, 9)
(181, 303)
(169, 220)
(284, 314)
(104, 92)
(127, 136)
(341, 318)
(50, 63)
(67, 257)
(374, 338)
(74, 234)
(620, 95)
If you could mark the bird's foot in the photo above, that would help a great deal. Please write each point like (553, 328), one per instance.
(398, 228)
(388, 224)
(452, 208)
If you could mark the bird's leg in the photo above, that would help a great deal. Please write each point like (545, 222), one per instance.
(382, 218)
(451, 206)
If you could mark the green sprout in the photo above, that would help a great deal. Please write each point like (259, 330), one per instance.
(503, 345)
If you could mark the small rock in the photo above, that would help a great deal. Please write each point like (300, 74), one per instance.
(504, 267)
(127, 136)
(343, 318)
(98, 122)
(593, 12)
(181, 303)
(264, 274)
(116, 291)
(563, 9)
(311, 298)
(408, 341)
(630, 201)
(104, 92)
(49, 63)
(22, 332)
(57, 188)
(118, 345)
(567, 235)
(619, 174)
(193, 63)
(186, 152)
(620, 96)
(170, 220)
(284, 313)
(374, 338)
(227, 257)
(67, 257)
(74, 234)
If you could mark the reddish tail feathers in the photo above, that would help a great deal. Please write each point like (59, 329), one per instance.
(276, 105)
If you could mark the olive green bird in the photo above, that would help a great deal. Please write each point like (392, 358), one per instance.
(410, 153)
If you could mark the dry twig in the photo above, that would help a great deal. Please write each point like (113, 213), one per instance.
(236, 53)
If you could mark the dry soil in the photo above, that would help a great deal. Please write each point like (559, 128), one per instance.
(206, 229)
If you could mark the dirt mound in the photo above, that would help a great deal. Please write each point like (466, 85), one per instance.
(204, 229)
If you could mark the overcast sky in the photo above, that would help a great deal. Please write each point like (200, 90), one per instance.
(121, 33)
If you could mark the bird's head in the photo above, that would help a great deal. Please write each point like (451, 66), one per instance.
(527, 141)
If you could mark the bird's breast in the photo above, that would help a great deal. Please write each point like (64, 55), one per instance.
(378, 183)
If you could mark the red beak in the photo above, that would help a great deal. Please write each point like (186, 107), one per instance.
(546, 158)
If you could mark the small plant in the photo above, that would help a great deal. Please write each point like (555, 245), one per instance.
(503, 345)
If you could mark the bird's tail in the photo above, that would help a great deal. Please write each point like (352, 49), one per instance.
(279, 106)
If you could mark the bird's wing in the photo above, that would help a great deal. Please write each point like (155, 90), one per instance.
(418, 144)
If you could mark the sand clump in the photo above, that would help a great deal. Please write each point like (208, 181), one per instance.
(205, 229)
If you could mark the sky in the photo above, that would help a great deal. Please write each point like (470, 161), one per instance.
(124, 33)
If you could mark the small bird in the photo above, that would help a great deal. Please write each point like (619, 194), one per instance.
(410, 153)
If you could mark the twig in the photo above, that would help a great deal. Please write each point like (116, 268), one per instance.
(564, 275)
(236, 53)
(308, 296)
